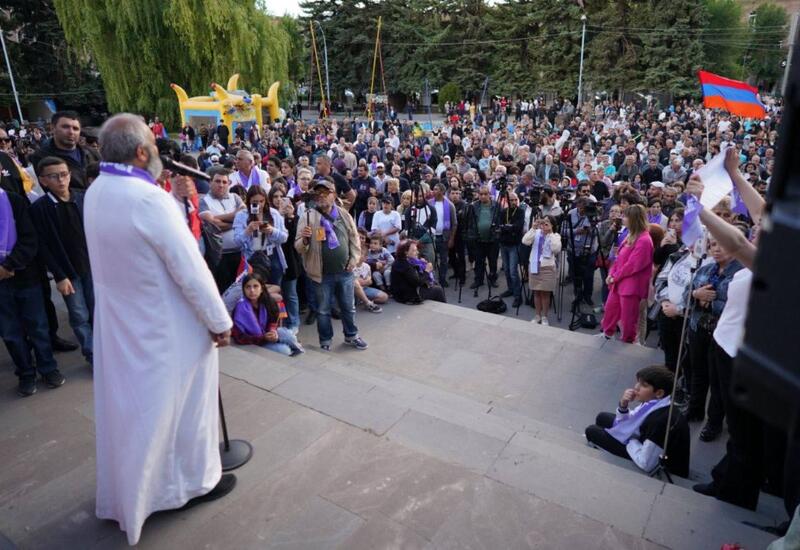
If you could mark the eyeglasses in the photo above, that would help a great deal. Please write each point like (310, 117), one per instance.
(55, 177)
(5, 139)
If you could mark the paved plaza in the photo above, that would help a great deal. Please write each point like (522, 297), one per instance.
(456, 429)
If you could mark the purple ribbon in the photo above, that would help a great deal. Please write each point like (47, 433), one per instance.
(738, 204)
(127, 170)
(624, 428)
(421, 265)
(245, 318)
(330, 232)
(8, 226)
(253, 175)
(691, 228)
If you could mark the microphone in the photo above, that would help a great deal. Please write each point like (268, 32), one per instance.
(182, 169)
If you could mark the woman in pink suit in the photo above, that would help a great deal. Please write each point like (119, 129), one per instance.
(629, 278)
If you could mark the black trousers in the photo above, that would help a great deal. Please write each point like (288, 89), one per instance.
(597, 435)
(483, 252)
(705, 377)
(225, 272)
(740, 473)
(49, 308)
(458, 259)
(669, 329)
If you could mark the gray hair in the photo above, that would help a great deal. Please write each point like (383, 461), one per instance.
(121, 135)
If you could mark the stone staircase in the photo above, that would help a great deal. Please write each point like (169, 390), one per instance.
(509, 400)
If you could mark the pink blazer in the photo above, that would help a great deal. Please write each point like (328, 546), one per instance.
(634, 267)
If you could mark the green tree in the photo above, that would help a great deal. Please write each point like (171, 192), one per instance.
(140, 46)
(724, 26)
(450, 92)
(766, 48)
(43, 66)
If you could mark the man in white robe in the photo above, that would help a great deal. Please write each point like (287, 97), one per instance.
(158, 319)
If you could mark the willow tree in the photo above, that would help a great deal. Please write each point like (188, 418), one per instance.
(140, 46)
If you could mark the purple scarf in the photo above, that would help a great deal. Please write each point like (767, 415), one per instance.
(252, 180)
(421, 265)
(126, 170)
(656, 219)
(626, 427)
(8, 226)
(445, 209)
(330, 232)
(620, 238)
(245, 318)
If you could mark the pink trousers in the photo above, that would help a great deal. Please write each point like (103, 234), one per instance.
(623, 310)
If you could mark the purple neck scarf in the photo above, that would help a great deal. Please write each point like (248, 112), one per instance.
(252, 180)
(245, 318)
(654, 219)
(8, 226)
(126, 170)
(626, 427)
(327, 225)
(623, 233)
(421, 265)
(445, 209)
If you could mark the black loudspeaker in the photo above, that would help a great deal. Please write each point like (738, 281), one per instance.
(766, 376)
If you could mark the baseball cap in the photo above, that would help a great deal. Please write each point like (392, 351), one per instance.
(327, 184)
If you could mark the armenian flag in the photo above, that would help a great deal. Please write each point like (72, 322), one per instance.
(738, 98)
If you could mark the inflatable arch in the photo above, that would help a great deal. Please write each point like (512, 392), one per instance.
(231, 106)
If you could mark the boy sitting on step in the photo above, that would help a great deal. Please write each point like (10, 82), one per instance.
(638, 434)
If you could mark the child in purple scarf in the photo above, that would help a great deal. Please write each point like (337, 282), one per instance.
(256, 320)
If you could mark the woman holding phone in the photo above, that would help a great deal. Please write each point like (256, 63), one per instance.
(260, 231)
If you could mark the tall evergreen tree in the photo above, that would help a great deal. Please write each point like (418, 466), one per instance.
(142, 46)
(766, 48)
(724, 26)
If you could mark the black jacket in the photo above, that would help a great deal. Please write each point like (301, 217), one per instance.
(406, 282)
(512, 221)
(76, 170)
(51, 246)
(10, 180)
(472, 221)
(23, 260)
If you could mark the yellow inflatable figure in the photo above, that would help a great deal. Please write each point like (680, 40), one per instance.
(230, 106)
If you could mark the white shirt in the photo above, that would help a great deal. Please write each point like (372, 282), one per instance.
(226, 205)
(237, 178)
(439, 206)
(730, 327)
(385, 222)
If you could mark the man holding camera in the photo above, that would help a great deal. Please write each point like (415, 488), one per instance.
(328, 242)
(511, 229)
(582, 243)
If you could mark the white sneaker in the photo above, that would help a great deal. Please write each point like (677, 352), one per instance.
(545, 322)
(536, 319)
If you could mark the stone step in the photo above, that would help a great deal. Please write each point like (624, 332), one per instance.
(545, 460)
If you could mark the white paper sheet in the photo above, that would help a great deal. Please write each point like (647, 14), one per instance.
(717, 183)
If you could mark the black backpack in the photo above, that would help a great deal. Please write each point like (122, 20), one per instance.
(495, 304)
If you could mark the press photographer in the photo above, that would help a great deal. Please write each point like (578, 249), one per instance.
(511, 229)
(582, 244)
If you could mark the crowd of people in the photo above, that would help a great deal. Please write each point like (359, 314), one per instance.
(318, 217)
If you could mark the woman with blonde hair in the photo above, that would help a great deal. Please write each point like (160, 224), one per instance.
(629, 278)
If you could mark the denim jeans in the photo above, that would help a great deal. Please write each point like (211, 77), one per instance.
(23, 320)
(337, 286)
(311, 293)
(286, 344)
(442, 254)
(289, 292)
(81, 310)
(511, 267)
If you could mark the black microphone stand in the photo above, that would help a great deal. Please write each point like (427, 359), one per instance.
(233, 452)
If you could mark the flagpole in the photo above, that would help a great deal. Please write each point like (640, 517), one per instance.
(708, 139)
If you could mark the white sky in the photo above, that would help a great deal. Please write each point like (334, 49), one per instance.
(282, 7)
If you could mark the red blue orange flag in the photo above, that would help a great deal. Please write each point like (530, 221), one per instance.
(738, 98)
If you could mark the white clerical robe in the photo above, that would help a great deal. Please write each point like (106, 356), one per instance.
(155, 366)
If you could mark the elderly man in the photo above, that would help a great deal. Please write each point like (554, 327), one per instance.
(219, 208)
(483, 220)
(328, 242)
(247, 174)
(674, 172)
(158, 320)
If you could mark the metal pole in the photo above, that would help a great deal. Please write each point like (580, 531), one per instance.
(580, 71)
(793, 37)
(11, 75)
(325, 55)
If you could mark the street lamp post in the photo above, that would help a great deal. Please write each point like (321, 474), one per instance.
(11, 75)
(325, 56)
(580, 71)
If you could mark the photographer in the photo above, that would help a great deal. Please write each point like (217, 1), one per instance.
(483, 220)
(582, 245)
(420, 219)
(259, 230)
(458, 253)
(513, 220)
(549, 205)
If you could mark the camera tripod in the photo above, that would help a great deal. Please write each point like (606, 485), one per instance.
(568, 252)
